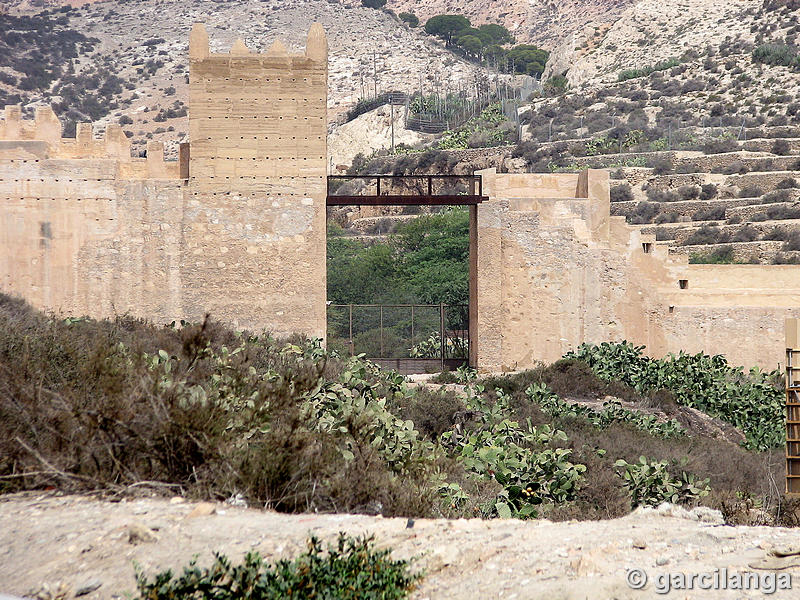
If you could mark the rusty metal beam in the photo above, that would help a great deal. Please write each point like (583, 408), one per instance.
(405, 200)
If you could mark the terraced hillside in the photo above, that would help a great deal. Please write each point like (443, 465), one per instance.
(703, 143)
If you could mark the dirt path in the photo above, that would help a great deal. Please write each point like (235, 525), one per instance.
(82, 542)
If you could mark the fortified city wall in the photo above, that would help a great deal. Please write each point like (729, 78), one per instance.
(236, 228)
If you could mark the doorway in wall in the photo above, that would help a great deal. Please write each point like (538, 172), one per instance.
(401, 283)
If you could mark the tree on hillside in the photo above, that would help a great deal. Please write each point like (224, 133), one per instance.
(373, 3)
(409, 18)
(492, 33)
(446, 26)
(528, 59)
(470, 44)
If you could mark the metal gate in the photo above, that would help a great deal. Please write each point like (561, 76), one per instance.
(409, 338)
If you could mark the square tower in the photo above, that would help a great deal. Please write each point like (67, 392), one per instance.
(254, 222)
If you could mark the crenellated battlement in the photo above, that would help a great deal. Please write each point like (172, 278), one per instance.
(316, 49)
(256, 119)
(44, 127)
(41, 139)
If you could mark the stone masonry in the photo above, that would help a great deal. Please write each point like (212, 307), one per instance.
(235, 227)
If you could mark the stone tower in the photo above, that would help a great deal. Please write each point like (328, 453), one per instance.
(254, 217)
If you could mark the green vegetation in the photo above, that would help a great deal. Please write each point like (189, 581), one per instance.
(516, 457)
(409, 18)
(373, 3)
(351, 570)
(636, 73)
(490, 128)
(526, 58)
(750, 401)
(720, 256)
(39, 50)
(39, 47)
(367, 104)
(612, 412)
(556, 85)
(426, 261)
(101, 405)
(776, 54)
(650, 483)
(447, 26)
(487, 42)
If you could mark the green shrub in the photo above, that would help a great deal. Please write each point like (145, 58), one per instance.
(689, 192)
(409, 18)
(612, 412)
(721, 256)
(373, 3)
(621, 193)
(746, 233)
(650, 483)
(781, 147)
(708, 191)
(710, 214)
(661, 166)
(644, 213)
(775, 54)
(353, 569)
(656, 195)
(720, 146)
(707, 234)
(556, 85)
(792, 241)
(751, 191)
(517, 457)
(206, 409)
(777, 213)
(666, 217)
(636, 73)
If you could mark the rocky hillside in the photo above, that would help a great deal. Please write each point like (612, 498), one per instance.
(694, 109)
(128, 63)
(651, 31)
(542, 22)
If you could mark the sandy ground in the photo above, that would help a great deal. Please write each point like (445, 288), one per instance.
(81, 542)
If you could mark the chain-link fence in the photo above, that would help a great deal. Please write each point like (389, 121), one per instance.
(400, 331)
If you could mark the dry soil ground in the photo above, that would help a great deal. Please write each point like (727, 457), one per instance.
(81, 542)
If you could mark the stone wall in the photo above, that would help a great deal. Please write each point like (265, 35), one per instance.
(235, 227)
(554, 270)
(765, 145)
(685, 208)
(766, 181)
(85, 228)
(761, 251)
